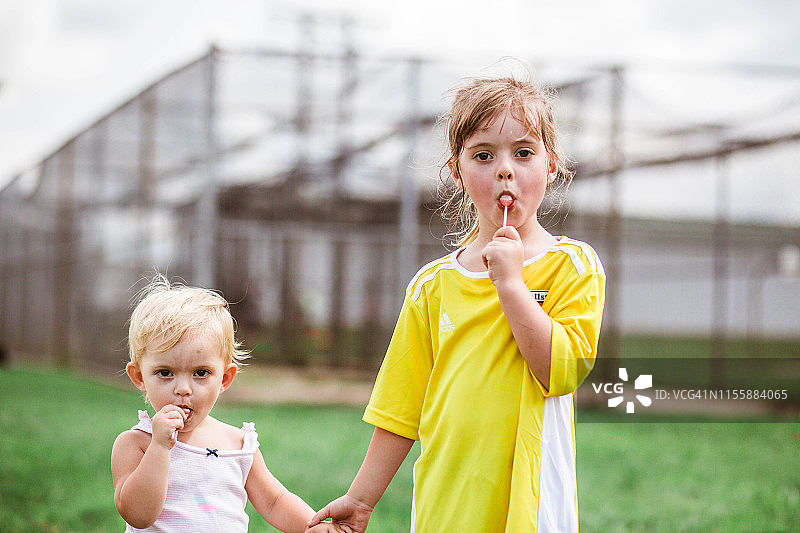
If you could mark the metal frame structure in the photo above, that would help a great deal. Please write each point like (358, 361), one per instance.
(302, 185)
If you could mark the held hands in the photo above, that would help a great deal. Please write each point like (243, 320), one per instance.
(166, 424)
(325, 527)
(504, 256)
(348, 514)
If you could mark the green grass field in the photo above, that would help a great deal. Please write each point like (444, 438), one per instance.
(56, 432)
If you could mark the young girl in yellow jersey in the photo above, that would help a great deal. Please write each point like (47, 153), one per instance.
(491, 342)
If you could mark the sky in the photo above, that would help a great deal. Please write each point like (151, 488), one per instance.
(65, 63)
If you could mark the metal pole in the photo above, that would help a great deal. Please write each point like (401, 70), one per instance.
(6, 210)
(205, 269)
(65, 257)
(756, 276)
(613, 261)
(146, 212)
(344, 124)
(409, 195)
(719, 300)
(305, 94)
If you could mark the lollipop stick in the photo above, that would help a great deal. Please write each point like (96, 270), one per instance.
(506, 200)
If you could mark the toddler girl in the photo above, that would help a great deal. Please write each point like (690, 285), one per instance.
(184, 470)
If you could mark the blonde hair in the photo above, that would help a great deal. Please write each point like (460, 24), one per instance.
(476, 103)
(167, 311)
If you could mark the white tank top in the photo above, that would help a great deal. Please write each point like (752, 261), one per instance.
(206, 492)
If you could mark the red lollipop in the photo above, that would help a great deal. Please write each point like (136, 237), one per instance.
(506, 200)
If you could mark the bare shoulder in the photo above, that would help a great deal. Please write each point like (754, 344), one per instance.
(132, 439)
(230, 437)
(127, 452)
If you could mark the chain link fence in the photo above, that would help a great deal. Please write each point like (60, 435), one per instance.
(303, 186)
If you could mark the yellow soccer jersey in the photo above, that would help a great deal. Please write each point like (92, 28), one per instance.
(498, 451)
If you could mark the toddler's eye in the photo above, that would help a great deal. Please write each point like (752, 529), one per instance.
(525, 152)
(163, 373)
(202, 373)
(482, 156)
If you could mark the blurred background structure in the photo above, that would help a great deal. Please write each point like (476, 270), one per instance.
(301, 182)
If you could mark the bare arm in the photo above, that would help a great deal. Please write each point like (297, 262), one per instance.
(273, 502)
(385, 454)
(531, 326)
(352, 511)
(140, 468)
(140, 478)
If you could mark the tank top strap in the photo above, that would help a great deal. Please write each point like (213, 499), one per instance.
(250, 437)
(145, 424)
(250, 442)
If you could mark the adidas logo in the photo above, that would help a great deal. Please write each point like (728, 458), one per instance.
(445, 324)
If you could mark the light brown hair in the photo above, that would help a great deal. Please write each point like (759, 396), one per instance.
(476, 103)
